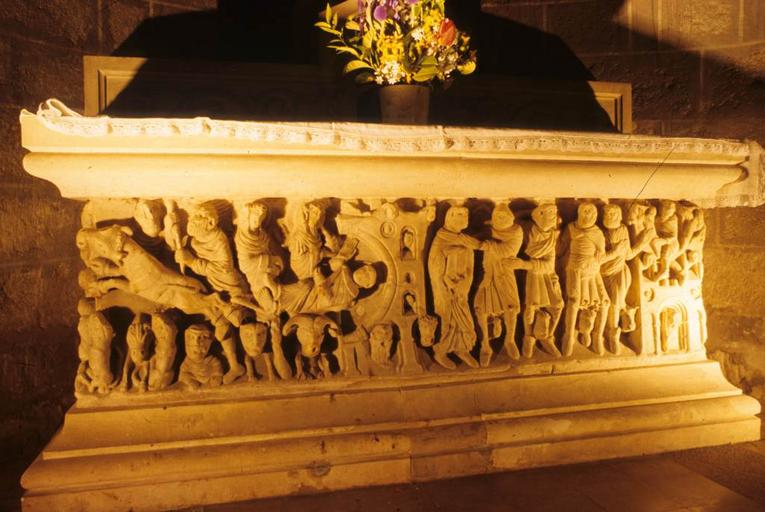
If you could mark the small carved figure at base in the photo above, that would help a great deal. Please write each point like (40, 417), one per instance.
(94, 374)
(161, 373)
(198, 368)
(310, 330)
(544, 299)
(137, 339)
(380, 343)
(254, 337)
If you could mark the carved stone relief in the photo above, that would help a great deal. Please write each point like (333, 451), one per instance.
(270, 289)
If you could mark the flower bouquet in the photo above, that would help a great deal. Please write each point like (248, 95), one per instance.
(400, 42)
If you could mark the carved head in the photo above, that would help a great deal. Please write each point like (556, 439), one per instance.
(586, 215)
(667, 209)
(197, 340)
(636, 214)
(148, 214)
(545, 216)
(254, 337)
(365, 276)
(612, 216)
(381, 342)
(253, 215)
(202, 220)
(107, 243)
(457, 219)
(164, 334)
(502, 218)
(310, 332)
(407, 238)
(428, 326)
(313, 216)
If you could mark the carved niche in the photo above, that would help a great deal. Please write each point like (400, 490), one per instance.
(195, 295)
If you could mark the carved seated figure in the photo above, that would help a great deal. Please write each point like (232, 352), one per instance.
(198, 368)
(256, 253)
(254, 337)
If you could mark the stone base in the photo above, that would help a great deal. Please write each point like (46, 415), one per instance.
(243, 442)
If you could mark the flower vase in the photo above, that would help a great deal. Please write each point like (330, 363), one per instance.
(404, 104)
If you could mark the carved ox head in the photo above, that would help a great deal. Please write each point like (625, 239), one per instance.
(107, 243)
(310, 332)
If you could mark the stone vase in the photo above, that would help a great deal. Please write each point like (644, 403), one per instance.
(404, 104)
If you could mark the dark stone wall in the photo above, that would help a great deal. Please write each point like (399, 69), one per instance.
(697, 67)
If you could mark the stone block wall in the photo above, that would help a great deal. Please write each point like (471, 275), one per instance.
(697, 67)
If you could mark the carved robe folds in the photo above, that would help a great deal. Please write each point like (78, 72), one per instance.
(269, 308)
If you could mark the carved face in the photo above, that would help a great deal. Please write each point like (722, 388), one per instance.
(253, 338)
(666, 208)
(314, 216)
(635, 214)
(381, 342)
(457, 218)
(428, 326)
(202, 221)
(197, 339)
(148, 215)
(586, 215)
(612, 216)
(107, 243)
(256, 215)
(502, 217)
(365, 277)
(407, 239)
(545, 216)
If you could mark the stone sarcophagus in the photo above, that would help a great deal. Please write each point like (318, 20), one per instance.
(270, 309)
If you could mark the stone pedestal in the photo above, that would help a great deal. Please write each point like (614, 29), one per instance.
(271, 309)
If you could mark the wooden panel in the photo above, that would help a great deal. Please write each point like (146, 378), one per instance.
(137, 87)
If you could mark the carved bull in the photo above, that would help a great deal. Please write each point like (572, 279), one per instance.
(310, 331)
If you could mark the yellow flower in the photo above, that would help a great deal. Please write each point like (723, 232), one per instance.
(391, 49)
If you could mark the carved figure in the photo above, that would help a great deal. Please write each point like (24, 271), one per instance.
(308, 241)
(616, 274)
(667, 244)
(427, 325)
(254, 337)
(381, 342)
(497, 296)
(256, 253)
(125, 265)
(408, 243)
(161, 372)
(693, 233)
(310, 330)
(450, 266)
(200, 369)
(137, 338)
(544, 299)
(585, 247)
(148, 214)
(96, 334)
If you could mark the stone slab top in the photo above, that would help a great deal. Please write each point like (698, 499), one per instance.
(407, 161)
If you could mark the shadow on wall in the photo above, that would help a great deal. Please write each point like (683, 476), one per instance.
(300, 78)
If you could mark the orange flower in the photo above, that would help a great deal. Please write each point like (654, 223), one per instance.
(447, 33)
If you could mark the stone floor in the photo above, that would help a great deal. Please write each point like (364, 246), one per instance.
(724, 478)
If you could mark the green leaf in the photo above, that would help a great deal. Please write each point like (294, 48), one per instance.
(334, 20)
(467, 68)
(364, 78)
(345, 49)
(328, 13)
(425, 74)
(354, 65)
(351, 25)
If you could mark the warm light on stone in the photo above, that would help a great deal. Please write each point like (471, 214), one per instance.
(279, 308)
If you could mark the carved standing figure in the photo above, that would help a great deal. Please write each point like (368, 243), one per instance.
(544, 300)
(497, 296)
(586, 296)
(380, 343)
(200, 369)
(450, 267)
(256, 253)
(161, 372)
(667, 244)
(616, 274)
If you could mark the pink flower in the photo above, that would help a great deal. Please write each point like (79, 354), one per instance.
(380, 13)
